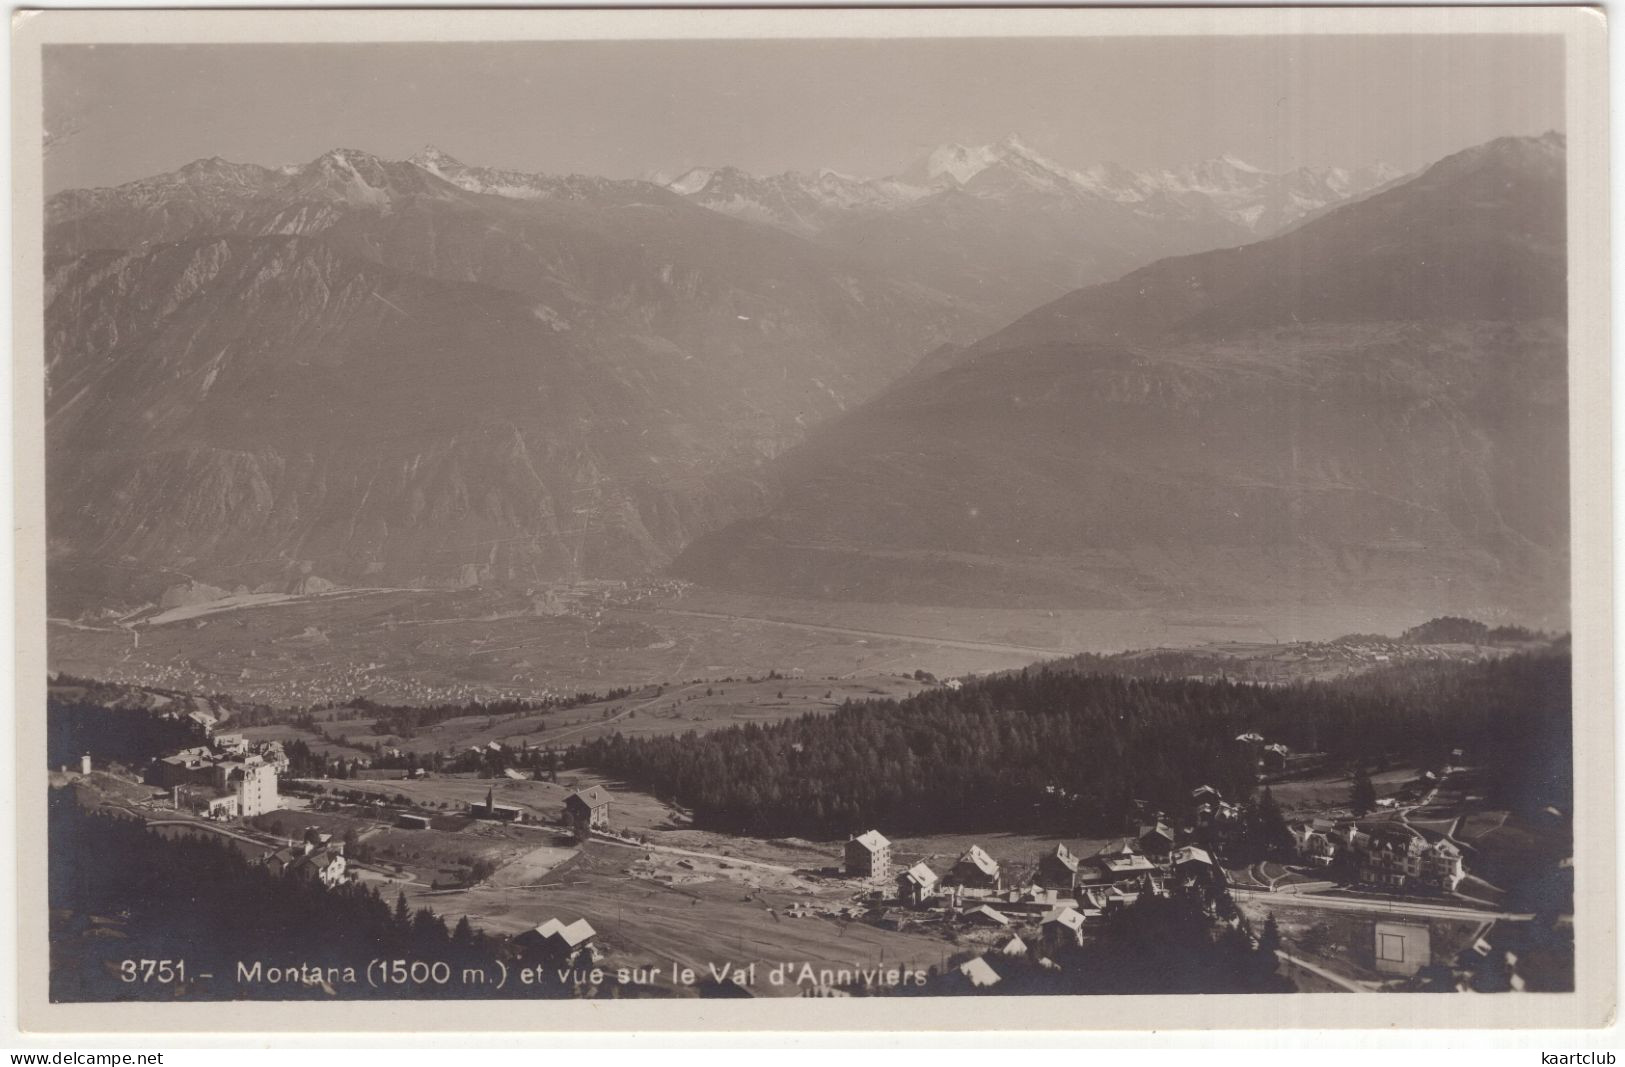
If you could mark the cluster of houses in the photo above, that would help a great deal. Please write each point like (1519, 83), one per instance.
(226, 779)
(1065, 893)
(1386, 854)
(1068, 895)
(1270, 758)
(585, 810)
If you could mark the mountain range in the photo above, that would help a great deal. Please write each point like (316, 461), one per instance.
(1368, 409)
(422, 372)
(356, 368)
(1001, 227)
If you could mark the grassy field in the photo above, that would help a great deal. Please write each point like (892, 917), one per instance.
(331, 745)
(542, 801)
(650, 923)
(653, 711)
(1331, 789)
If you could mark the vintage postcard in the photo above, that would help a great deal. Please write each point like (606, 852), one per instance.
(813, 519)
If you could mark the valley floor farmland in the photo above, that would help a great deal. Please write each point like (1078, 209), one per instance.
(433, 646)
(346, 733)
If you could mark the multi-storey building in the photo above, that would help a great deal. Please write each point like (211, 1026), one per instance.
(868, 855)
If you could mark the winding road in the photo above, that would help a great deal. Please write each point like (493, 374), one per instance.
(1388, 907)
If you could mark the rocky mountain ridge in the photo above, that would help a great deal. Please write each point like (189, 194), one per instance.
(1367, 409)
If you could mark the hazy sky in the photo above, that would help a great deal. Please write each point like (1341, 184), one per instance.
(865, 107)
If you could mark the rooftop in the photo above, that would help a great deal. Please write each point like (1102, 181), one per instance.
(872, 840)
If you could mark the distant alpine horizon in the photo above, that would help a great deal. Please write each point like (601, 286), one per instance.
(951, 164)
(867, 108)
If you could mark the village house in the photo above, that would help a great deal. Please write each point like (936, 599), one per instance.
(917, 885)
(316, 856)
(1014, 947)
(978, 973)
(326, 865)
(587, 809)
(1058, 868)
(1062, 928)
(1275, 757)
(1114, 864)
(1315, 844)
(558, 942)
(868, 855)
(1156, 840)
(987, 916)
(976, 870)
(1191, 863)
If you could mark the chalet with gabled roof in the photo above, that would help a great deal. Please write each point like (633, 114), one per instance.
(1156, 840)
(557, 941)
(1062, 927)
(587, 809)
(978, 973)
(976, 870)
(987, 916)
(1057, 868)
(917, 885)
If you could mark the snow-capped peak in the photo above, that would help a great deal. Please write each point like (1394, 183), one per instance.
(692, 182)
(1240, 164)
(830, 175)
(435, 161)
(958, 162)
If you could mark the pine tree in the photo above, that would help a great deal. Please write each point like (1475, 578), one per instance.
(403, 913)
(1274, 837)
(1362, 795)
(1270, 940)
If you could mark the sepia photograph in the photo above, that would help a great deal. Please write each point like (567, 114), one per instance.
(763, 506)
